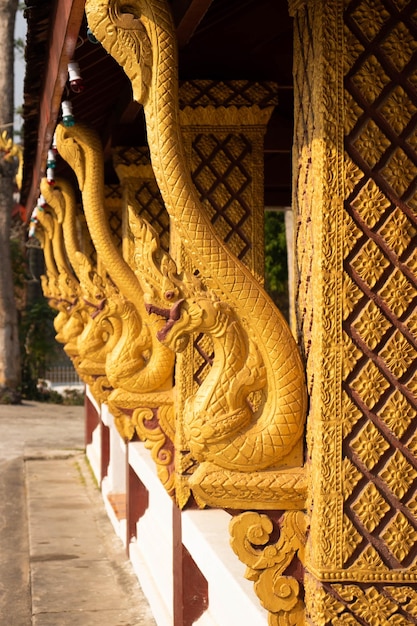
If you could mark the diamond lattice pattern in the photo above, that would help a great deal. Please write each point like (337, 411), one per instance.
(380, 296)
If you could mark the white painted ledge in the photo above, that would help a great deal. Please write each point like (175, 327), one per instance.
(232, 599)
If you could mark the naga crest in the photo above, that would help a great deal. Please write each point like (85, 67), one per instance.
(118, 26)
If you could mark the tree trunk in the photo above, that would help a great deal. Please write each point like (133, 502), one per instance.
(9, 335)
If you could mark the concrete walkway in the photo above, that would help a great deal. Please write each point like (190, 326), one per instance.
(60, 561)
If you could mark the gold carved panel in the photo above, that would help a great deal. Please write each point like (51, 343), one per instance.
(356, 212)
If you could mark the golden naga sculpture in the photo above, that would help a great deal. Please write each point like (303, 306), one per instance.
(248, 416)
(58, 283)
(12, 151)
(76, 322)
(138, 367)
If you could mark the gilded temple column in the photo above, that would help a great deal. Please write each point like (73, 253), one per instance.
(223, 126)
(355, 171)
(135, 173)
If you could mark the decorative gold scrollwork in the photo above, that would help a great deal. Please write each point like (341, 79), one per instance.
(267, 563)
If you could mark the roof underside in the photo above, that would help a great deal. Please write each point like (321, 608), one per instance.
(218, 39)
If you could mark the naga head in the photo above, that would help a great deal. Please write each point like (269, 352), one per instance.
(69, 323)
(119, 26)
(100, 334)
(74, 144)
(180, 299)
(191, 311)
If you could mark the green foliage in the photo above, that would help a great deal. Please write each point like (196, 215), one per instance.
(9, 396)
(19, 46)
(73, 397)
(69, 396)
(38, 346)
(276, 265)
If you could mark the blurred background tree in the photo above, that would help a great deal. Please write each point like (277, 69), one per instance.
(10, 372)
(276, 261)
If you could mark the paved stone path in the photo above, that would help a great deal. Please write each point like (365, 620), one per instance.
(60, 562)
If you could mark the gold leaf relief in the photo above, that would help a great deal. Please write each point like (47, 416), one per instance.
(370, 263)
(411, 262)
(369, 445)
(370, 16)
(397, 413)
(399, 46)
(397, 292)
(352, 113)
(371, 143)
(400, 536)
(399, 172)
(370, 560)
(412, 505)
(266, 563)
(398, 231)
(322, 606)
(370, 384)
(401, 594)
(346, 619)
(351, 355)
(323, 534)
(371, 325)
(351, 294)
(329, 439)
(398, 354)
(353, 49)
(400, 4)
(236, 244)
(398, 109)
(352, 174)
(370, 79)
(412, 137)
(351, 234)
(201, 365)
(398, 474)
(411, 323)
(370, 203)
(351, 538)
(351, 477)
(373, 607)
(412, 385)
(370, 507)
(236, 212)
(383, 615)
(412, 445)
(351, 414)
(406, 596)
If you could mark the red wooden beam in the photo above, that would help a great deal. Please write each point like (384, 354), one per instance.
(64, 30)
(187, 15)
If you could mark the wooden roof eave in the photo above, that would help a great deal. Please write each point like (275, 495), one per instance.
(187, 16)
(64, 27)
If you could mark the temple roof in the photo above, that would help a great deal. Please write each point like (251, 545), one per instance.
(218, 40)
